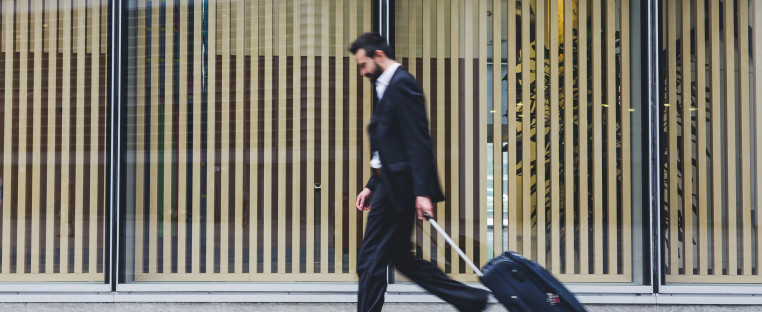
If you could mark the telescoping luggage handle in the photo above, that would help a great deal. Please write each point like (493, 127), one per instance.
(449, 240)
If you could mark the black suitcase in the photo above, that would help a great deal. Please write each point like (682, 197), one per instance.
(520, 284)
(523, 285)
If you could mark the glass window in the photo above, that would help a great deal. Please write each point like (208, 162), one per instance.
(53, 129)
(710, 155)
(530, 162)
(245, 140)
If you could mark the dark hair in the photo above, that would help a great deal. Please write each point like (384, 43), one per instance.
(371, 42)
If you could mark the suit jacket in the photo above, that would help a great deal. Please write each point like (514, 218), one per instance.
(399, 131)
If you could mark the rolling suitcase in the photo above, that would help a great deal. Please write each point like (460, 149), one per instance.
(519, 283)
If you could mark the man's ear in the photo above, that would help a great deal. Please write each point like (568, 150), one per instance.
(379, 54)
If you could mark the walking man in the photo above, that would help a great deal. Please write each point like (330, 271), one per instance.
(404, 183)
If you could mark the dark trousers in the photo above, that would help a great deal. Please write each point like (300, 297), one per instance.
(387, 240)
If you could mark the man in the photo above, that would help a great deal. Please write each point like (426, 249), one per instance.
(404, 184)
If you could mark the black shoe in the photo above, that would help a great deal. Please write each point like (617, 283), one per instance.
(477, 307)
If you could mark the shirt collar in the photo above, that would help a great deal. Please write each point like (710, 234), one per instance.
(387, 75)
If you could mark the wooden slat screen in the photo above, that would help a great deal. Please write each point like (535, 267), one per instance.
(54, 130)
(561, 197)
(247, 135)
(708, 109)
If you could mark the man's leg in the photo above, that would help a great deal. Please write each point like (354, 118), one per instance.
(427, 274)
(431, 278)
(374, 255)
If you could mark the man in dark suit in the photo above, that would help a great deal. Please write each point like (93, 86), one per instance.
(404, 183)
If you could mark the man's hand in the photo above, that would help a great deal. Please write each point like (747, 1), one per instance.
(423, 204)
(363, 200)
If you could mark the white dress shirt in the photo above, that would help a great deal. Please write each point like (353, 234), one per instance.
(381, 83)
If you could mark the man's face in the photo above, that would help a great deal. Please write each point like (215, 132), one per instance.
(368, 65)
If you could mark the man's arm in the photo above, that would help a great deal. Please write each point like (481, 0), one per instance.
(363, 199)
(371, 185)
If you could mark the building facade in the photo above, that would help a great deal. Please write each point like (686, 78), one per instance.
(217, 146)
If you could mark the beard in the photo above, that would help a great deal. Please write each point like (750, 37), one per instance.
(373, 76)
